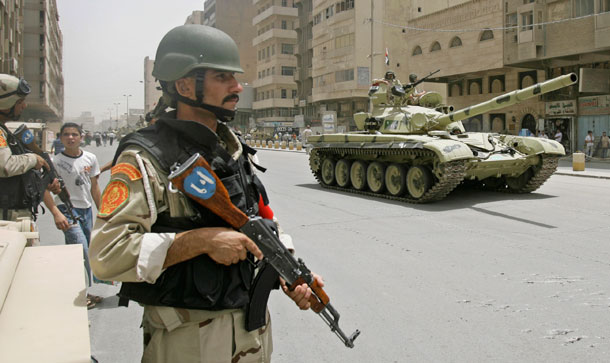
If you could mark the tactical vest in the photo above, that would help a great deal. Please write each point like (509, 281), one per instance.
(24, 191)
(199, 283)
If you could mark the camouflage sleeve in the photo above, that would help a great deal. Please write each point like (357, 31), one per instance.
(123, 248)
(10, 164)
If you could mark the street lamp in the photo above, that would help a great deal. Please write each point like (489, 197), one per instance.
(117, 114)
(127, 97)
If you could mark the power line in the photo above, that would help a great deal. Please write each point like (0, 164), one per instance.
(511, 27)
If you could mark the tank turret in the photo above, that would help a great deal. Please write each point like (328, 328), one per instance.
(420, 120)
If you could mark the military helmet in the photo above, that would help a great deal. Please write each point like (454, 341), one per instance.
(412, 77)
(389, 75)
(192, 46)
(11, 90)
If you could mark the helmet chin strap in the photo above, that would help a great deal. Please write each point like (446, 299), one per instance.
(10, 114)
(222, 114)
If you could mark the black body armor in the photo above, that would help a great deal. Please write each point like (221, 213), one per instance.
(199, 283)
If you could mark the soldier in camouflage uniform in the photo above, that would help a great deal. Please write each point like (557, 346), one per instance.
(19, 196)
(190, 271)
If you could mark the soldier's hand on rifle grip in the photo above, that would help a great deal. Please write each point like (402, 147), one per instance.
(54, 187)
(302, 294)
(41, 163)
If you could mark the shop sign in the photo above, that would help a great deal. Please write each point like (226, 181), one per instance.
(594, 105)
(560, 108)
(328, 121)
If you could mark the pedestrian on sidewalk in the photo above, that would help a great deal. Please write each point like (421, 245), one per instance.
(589, 142)
(79, 169)
(111, 136)
(605, 144)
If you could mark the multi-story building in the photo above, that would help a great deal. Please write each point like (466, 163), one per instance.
(234, 17)
(151, 91)
(43, 50)
(340, 52)
(275, 43)
(11, 37)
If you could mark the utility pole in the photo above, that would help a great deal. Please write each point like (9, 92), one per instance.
(117, 114)
(127, 97)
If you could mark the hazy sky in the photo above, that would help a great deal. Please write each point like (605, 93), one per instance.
(105, 42)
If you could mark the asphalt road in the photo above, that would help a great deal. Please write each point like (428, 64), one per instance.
(477, 277)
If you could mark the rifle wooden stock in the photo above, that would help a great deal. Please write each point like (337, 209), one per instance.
(219, 202)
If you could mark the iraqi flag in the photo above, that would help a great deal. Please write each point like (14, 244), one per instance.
(387, 57)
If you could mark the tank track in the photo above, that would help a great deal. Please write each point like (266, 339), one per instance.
(549, 165)
(453, 172)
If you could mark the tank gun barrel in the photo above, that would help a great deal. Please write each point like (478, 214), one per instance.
(508, 99)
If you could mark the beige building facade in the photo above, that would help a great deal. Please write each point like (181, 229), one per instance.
(340, 52)
(234, 17)
(43, 52)
(151, 91)
(11, 37)
(275, 42)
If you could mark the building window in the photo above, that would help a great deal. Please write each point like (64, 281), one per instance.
(273, 49)
(455, 42)
(287, 71)
(346, 40)
(604, 6)
(527, 19)
(285, 3)
(511, 20)
(294, 93)
(284, 24)
(416, 50)
(283, 93)
(344, 76)
(287, 48)
(486, 35)
(435, 46)
(583, 7)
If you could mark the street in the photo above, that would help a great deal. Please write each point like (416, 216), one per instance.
(477, 277)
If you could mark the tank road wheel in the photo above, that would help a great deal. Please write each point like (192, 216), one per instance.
(419, 180)
(357, 174)
(342, 171)
(375, 177)
(327, 171)
(395, 176)
(519, 182)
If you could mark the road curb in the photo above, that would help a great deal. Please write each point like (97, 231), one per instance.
(582, 175)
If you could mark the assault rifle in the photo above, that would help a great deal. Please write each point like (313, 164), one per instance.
(27, 137)
(196, 179)
(410, 86)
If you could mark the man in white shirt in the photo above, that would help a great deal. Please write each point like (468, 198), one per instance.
(589, 142)
(80, 170)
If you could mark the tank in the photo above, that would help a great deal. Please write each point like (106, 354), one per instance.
(420, 153)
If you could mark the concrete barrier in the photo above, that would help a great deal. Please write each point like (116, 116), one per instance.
(283, 145)
(290, 145)
(257, 143)
(276, 145)
(578, 162)
(270, 144)
(299, 146)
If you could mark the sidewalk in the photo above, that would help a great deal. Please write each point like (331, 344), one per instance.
(594, 168)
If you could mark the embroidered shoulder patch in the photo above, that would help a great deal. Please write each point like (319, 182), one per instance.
(115, 195)
(2, 140)
(124, 168)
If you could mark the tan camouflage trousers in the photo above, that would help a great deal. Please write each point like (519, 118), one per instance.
(189, 336)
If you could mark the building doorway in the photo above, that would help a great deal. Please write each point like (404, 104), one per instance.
(529, 122)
